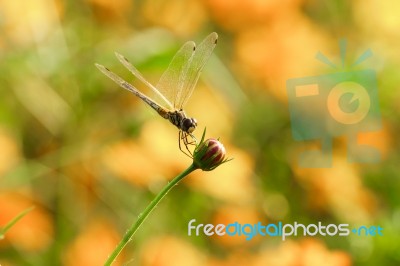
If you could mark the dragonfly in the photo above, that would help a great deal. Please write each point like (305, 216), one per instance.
(175, 86)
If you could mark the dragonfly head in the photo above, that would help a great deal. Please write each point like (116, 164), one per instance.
(189, 125)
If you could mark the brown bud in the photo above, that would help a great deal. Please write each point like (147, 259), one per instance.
(209, 154)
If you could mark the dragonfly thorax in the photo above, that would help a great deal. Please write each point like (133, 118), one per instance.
(179, 119)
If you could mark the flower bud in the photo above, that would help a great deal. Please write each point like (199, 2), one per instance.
(209, 154)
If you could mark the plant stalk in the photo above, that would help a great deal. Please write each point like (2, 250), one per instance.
(135, 226)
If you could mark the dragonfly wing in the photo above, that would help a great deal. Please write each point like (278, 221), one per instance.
(170, 82)
(137, 74)
(191, 71)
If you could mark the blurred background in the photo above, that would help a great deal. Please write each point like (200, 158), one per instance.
(90, 156)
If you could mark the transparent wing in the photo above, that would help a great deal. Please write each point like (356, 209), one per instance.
(191, 71)
(137, 74)
(171, 81)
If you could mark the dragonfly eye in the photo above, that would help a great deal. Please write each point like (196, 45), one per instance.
(189, 125)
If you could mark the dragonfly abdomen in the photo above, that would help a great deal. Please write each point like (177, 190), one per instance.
(161, 111)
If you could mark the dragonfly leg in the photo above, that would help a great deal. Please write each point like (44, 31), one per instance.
(192, 142)
(183, 137)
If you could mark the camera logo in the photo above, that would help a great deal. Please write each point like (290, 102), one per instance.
(344, 103)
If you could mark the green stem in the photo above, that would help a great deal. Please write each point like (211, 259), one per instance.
(132, 230)
(14, 221)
